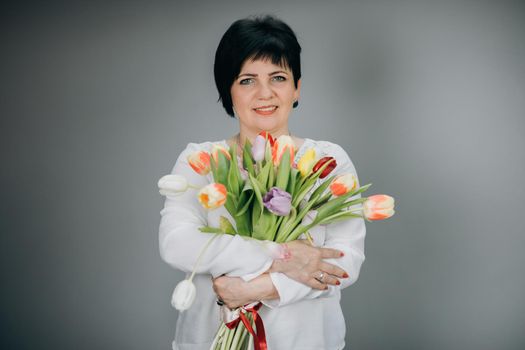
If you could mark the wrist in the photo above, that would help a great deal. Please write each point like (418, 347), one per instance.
(262, 288)
(275, 267)
(284, 255)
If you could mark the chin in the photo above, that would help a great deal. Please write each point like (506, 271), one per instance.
(268, 125)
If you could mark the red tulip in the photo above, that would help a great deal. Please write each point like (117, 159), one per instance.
(329, 168)
(268, 136)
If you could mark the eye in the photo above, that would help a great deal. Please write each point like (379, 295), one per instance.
(246, 81)
(279, 78)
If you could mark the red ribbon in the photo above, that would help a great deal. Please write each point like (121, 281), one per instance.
(259, 338)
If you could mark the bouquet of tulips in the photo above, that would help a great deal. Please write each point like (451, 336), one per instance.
(269, 198)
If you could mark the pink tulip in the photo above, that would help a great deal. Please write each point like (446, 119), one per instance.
(268, 136)
(259, 147)
(378, 207)
(343, 184)
(200, 162)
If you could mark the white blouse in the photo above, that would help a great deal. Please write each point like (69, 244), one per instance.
(302, 318)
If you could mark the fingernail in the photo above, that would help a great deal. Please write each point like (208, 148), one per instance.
(337, 282)
(341, 254)
(345, 275)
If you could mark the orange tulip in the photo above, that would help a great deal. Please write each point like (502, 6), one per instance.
(215, 153)
(200, 162)
(378, 207)
(282, 143)
(343, 184)
(213, 195)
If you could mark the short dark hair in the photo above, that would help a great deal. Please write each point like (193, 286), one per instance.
(257, 37)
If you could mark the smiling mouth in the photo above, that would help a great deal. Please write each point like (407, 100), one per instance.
(265, 110)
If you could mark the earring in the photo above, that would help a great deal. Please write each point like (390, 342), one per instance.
(295, 104)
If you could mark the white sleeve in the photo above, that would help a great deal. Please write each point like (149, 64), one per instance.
(347, 236)
(180, 240)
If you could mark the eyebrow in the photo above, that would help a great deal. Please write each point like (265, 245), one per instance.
(254, 75)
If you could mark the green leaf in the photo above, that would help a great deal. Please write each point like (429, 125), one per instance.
(234, 175)
(247, 158)
(262, 229)
(244, 223)
(319, 190)
(226, 226)
(257, 191)
(322, 200)
(291, 184)
(223, 168)
(341, 216)
(336, 204)
(208, 229)
(283, 172)
(271, 178)
(286, 226)
(213, 167)
(263, 175)
(245, 203)
(299, 230)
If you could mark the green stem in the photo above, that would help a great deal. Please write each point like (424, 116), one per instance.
(238, 334)
(218, 337)
(200, 255)
(229, 340)
(225, 337)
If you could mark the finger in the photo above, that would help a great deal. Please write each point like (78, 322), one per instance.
(333, 270)
(327, 253)
(313, 283)
(331, 280)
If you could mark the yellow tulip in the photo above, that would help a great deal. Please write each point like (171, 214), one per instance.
(307, 162)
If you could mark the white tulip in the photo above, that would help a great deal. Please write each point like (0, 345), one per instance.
(172, 184)
(183, 295)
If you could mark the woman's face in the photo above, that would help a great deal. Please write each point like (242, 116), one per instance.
(263, 95)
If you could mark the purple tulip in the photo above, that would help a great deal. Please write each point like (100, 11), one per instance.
(278, 201)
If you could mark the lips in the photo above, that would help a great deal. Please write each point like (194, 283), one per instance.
(265, 110)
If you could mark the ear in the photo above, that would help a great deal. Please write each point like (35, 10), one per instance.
(297, 91)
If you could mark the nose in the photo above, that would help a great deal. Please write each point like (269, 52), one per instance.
(265, 91)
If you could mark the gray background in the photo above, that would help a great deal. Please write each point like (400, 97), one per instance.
(98, 98)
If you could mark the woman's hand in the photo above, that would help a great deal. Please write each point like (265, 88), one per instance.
(304, 263)
(235, 292)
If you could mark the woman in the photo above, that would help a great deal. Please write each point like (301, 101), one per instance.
(258, 76)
